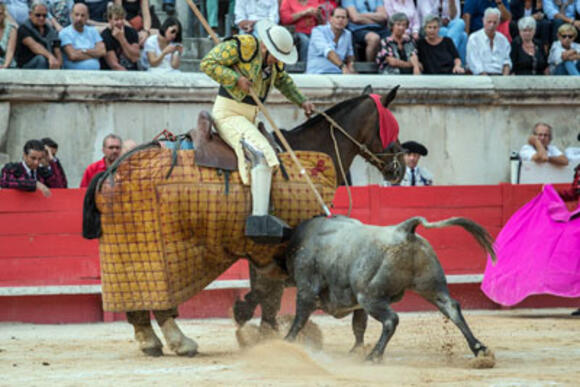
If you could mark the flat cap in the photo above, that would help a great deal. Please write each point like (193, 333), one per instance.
(415, 147)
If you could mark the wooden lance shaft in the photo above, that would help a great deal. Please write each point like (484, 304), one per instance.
(261, 106)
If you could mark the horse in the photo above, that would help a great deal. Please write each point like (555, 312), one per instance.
(137, 248)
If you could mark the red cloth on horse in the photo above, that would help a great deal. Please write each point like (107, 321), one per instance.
(389, 127)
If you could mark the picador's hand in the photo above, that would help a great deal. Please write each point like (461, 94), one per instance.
(244, 83)
(308, 108)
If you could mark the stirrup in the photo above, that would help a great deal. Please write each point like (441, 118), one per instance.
(267, 229)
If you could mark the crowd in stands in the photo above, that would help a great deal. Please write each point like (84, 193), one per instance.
(522, 37)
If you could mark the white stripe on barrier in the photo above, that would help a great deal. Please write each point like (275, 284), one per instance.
(225, 284)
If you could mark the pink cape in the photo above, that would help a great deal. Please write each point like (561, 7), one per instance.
(538, 252)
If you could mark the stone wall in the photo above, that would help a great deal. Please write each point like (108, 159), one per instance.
(470, 124)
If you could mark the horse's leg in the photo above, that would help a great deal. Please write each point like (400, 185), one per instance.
(265, 291)
(177, 341)
(148, 341)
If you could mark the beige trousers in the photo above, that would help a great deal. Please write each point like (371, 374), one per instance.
(235, 121)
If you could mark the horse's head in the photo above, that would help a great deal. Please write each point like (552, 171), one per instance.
(391, 156)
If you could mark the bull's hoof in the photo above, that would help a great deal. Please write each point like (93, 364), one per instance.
(148, 341)
(177, 341)
(485, 359)
(374, 357)
(243, 312)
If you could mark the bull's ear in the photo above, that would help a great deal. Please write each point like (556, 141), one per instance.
(388, 98)
(367, 90)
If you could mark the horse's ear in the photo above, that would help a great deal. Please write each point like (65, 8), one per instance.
(367, 90)
(388, 98)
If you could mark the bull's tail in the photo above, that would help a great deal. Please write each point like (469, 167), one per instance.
(91, 214)
(479, 233)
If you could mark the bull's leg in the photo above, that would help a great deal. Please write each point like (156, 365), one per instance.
(451, 309)
(359, 326)
(305, 305)
(265, 291)
(148, 341)
(382, 312)
(177, 341)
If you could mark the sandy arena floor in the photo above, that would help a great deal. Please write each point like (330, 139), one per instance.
(532, 347)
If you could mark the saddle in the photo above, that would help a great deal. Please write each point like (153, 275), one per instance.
(213, 152)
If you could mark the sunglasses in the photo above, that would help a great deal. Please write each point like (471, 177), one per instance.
(567, 36)
(172, 30)
(40, 15)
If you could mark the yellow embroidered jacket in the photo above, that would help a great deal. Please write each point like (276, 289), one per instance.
(243, 51)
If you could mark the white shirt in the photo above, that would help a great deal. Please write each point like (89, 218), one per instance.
(422, 177)
(528, 151)
(152, 45)
(481, 58)
(256, 10)
(431, 7)
(555, 57)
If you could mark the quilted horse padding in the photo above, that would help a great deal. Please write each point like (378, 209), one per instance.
(165, 239)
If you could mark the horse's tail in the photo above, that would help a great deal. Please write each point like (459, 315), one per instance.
(91, 214)
(479, 233)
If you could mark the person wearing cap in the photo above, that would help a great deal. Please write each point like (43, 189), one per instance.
(260, 62)
(414, 174)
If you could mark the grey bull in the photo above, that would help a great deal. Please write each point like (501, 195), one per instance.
(341, 265)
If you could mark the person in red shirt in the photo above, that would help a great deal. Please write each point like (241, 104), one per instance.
(304, 15)
(111, 150)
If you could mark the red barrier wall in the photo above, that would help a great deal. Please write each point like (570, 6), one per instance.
(41, 245)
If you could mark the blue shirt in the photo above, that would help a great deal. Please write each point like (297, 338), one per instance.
(476, 8)
(321, 43)
(551, 9)
(363, 6)
(87, 39)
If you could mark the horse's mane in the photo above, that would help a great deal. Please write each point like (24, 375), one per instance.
(330, 111)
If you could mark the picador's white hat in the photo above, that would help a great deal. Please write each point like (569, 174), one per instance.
(278, 41)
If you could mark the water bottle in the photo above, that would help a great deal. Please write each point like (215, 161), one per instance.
(515, 164)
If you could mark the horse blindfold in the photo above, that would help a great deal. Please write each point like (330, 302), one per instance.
(388, 125)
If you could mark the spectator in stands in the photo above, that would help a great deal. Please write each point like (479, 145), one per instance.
(437, 54)
(398, 54)
(488, 52)
(564, 58)
(96, 12)
(28, 175)
(121, 42)
(326, 7)
(128, 145)
(408, 8)
(37, 43)
(18, 10)
(330, 49)
(162, 52)
(169, 7)
(474, 12)
(534, 9)
(248, 12)
(112, 145)
(452, 25)
(81, 43)
(539, 149)
(58, 13)
(141, 17)
(527, 55)
(367, 22)
(212, 8)
(304, 15)
(51, 162)
(414, 174)
(7, 39)
(561, 12)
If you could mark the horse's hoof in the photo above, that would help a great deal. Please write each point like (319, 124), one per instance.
(374, 357)
(148, 341)
(484, 359)
(187, 348)
(177, 341)
(153, 351)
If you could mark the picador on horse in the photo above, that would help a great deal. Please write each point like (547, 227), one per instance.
(169, 223)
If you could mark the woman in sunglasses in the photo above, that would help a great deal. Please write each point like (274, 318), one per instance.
(162, 52)
(564, 56)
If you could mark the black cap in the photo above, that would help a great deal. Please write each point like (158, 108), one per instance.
(415, 147)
